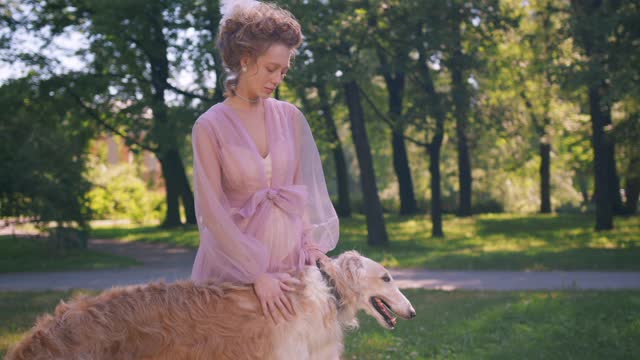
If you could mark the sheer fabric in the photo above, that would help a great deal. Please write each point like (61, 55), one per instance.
(250, 224)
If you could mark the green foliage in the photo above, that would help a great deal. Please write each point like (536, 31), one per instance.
(43, 143)
(118, 193)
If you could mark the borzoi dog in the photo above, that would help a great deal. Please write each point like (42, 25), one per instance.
(187, 321)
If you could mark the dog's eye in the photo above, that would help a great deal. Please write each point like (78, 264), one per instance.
(386, 278)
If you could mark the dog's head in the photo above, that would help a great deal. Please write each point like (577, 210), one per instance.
(374, 289)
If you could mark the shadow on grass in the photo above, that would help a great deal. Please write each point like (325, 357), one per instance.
(21, 254)
(186, 236)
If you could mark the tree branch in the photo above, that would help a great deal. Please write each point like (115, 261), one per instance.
(188, 93)
(93, 113)
(386, 119)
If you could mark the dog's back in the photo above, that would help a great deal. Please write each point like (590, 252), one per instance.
(157, 321)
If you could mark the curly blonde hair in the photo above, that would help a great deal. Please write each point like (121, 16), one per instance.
(250, 32)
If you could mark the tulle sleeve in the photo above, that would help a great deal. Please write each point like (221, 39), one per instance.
(321, 224)
(225, 253)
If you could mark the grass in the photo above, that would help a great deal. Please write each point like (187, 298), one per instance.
(510, 325)
(453, 325)
(32, 254)
(487, 242)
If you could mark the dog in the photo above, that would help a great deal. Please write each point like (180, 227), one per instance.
(183, 320)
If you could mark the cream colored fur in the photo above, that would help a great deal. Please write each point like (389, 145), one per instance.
(185, 321)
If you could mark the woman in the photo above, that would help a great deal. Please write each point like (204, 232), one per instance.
(262, 204)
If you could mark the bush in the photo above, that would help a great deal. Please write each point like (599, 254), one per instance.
(118, 193)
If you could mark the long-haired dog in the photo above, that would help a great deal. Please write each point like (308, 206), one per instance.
(187, 321)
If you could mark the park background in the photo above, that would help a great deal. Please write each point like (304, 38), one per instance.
(476, 135)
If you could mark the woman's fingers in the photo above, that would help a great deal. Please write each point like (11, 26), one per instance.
(284, 311)
(265, 309)
(315, 255)
(287, 302)
(272, 312)
(290, 280)
(286, 287)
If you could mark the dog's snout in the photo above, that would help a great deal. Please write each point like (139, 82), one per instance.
(412, 314)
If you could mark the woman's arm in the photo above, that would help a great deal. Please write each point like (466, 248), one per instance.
(321, 223)
(224, 250)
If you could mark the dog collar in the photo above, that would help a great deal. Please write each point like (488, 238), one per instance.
(332, 286)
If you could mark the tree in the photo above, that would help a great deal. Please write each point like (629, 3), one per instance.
(140, 46)
(539, 40)
(393, 50)
(596, 25)
(43, 147)
(348, 51)
(318, 88)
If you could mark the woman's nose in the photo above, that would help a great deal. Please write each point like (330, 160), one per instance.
(277, 79)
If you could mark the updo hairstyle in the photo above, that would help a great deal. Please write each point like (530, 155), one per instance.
(250, 31)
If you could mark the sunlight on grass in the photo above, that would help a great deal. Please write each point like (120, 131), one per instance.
(487, 242)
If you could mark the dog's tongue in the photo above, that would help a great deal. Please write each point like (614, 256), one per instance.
(386, 312)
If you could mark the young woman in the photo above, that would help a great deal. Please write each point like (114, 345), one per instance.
(262, 204)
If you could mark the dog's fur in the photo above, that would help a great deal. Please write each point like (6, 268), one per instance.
(186, 321)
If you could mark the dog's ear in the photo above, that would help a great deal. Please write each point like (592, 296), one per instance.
(352, 266)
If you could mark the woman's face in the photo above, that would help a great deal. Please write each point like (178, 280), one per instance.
(266, 73)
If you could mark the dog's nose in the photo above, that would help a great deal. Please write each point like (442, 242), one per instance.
(412, 314)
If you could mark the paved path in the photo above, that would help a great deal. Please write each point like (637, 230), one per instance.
(170, 264)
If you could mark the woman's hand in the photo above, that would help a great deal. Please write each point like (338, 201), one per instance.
(313, 255)
(270, 291)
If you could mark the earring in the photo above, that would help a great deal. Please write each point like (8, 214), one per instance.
(244, 69)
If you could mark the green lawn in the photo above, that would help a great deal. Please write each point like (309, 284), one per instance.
(487, 242)
(31, 254)
(511, 325)
(459, 324)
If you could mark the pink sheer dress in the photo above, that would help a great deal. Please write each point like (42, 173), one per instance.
(255, 214)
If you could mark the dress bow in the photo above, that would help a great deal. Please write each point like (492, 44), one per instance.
(289, 198)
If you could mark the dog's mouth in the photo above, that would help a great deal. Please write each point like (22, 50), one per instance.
(384, 310)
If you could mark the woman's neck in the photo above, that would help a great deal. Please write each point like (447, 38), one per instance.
(243, 105)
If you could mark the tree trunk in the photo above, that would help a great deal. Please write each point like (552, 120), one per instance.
(377, 233)
(436, 193)
(545, 178)
(461, 113)
(632, 187)
(603, 153)
(343, 207)
(395, 88)
(408, 204)
(186, 194)
(437, 112)
(172, 189)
